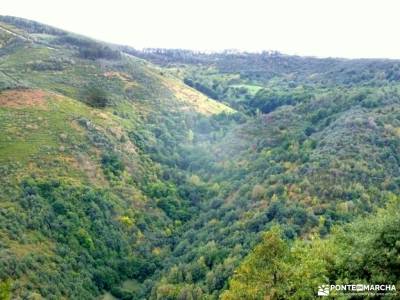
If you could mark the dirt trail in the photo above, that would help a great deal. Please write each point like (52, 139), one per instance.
(15, 34)
(9, 76)
(23, 37)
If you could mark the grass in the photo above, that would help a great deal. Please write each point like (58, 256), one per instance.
(107, 296)
(137, 82)
(130, 285)
(44, 131)
(253, 89)
(190, 98)
(36, 137)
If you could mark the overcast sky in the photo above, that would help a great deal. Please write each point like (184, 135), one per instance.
(340, 28)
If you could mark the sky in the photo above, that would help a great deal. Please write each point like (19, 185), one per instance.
(323, 28)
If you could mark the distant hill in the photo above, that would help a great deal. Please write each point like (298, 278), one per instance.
(267, 65)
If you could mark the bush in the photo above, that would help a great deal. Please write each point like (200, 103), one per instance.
(96, 51)
(89, 49)
(96, 97)
(112, 164)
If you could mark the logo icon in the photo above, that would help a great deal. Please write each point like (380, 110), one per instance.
(323, 290)
(359, 287)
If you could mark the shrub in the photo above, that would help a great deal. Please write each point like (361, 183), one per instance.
(112, 164)
(96, 97)
(89, 49)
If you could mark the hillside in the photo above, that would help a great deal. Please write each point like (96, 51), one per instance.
(169, 174)
(75, 178)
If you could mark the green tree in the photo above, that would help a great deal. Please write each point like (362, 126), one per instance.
(96, 97)
(5, 289)
(262, 270)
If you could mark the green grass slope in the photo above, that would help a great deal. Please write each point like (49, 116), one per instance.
(80, 196)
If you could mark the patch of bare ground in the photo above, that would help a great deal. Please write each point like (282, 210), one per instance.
(92, 170)
(22, 98)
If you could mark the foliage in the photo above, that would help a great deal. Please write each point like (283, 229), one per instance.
(112, 164)
(5, 289)
(31, 26)
(164, 192)
(89, 49)
(364, 251)
(96, 97)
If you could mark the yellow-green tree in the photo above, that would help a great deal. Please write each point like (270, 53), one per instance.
(5, 290)
(262, 271)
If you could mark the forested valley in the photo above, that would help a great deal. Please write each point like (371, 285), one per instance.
(174, 174)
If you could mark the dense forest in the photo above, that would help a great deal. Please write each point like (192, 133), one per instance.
(173, 174)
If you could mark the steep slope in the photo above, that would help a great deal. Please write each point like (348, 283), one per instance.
(321, 149)
(305, 167)
(80, 197)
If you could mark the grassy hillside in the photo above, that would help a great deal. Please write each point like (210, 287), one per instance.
(268, 79)
(80, 195)
(127, 174)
